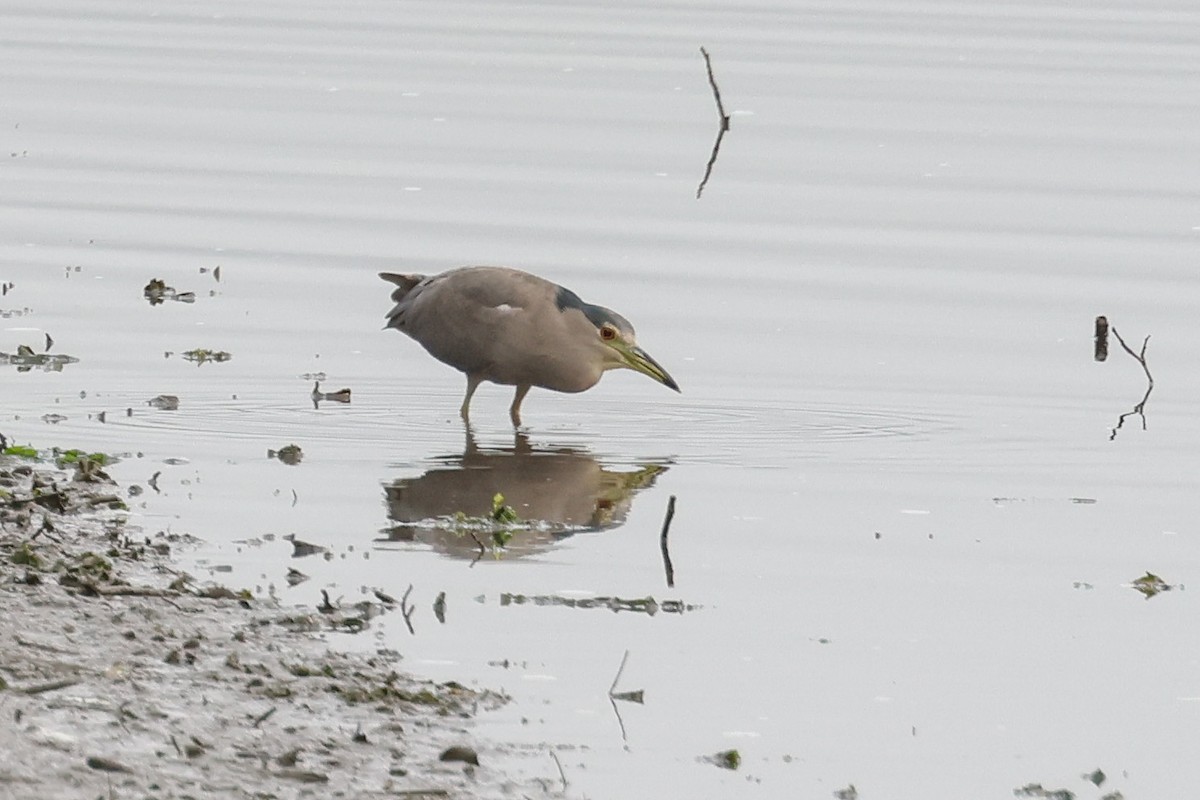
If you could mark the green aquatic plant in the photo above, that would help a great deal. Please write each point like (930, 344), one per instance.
(501, 512)
(65, 457)
(20, 451)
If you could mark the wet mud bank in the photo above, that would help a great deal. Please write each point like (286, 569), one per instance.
(122, 677)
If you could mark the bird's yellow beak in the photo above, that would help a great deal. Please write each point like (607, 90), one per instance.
(637, 359)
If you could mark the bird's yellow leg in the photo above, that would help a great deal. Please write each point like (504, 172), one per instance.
(515, 411)
(472, 384)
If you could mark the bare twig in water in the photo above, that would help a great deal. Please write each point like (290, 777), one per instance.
(662, 540)
(1140, 357)
(407, 610)
(482, 549)
(612, 700)
(620, 670)
(716, 91)
(1140, 408)
(723, 124)
(561, 774)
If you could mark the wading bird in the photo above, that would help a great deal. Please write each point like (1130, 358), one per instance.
(510, 327)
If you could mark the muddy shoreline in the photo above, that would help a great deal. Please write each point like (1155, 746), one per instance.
(122, 677)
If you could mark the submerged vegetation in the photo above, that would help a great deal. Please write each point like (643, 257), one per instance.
(25, 360)
(203, 355)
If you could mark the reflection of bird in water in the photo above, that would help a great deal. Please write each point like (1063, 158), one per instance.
(510, 327)
(554, 492)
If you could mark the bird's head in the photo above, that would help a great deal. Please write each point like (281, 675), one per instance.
(621, 350)
(615, 342)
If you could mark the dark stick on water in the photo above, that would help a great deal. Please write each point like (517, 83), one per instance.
(406, 610)
(562, 775)
(666, 554)
(724, 124)
(1101, 352)
(1139, 357)
(716, 91)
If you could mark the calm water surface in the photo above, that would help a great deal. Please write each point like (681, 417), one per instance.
(905, 530)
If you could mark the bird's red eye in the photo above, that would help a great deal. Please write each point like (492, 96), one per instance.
(607, 334)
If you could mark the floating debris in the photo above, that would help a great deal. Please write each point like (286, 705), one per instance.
(8, 313)
(439, 608)
(644, 605)
(156, 291)
(25, 360)
(340, 396)
(289, 454)
(727, 759)
(1151, 585)
(301, 548)
(164, 402)
(1036, 790)
(54, 419)
(204, 355)
(295, 577)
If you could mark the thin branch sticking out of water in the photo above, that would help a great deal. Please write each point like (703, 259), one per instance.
(612, 698)
(723, 125)
(482, 549)
(620, 670)
(715, 90)
(407, 610)
(1140, 408)
(662, 540)
(561, 774)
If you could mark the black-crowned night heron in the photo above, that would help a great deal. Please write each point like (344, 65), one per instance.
(510, 327)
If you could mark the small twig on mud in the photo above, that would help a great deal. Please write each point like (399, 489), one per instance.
(326, 607)
(724, 125)
(407, 610)
(266, 715)
(561, 774)
(51, 686)
(122, 714)
(662, 540)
